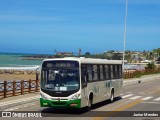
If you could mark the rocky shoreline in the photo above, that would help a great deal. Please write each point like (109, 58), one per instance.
(37, 57)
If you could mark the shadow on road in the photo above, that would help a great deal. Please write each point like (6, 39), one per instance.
(75, 112)
(103, 103)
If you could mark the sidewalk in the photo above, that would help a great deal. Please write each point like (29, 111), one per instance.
(18, 100)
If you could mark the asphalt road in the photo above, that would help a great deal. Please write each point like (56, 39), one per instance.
(141, 98)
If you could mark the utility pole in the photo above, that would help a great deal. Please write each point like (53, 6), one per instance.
(125, 27)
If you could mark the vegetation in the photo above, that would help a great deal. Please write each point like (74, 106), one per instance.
(130, 56)
(151, 66)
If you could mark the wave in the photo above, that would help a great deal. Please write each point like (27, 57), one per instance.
(22, 67)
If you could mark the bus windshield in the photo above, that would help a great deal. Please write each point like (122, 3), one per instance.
(60, 76)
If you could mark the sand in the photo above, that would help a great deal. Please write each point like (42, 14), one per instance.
(11, 77)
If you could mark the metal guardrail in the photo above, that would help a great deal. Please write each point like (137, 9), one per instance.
(14, 88)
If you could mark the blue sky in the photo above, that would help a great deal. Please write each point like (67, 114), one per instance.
(41, 26)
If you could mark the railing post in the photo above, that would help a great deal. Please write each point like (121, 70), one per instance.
(124, 75)
(37, 85)
(134, 74)
(22, 87)
(130, 76)
(14, 87)
(5, 89)
(127, 74)
(37, 74)
(29, 87)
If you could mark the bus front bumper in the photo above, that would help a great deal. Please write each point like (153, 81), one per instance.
(60, 104)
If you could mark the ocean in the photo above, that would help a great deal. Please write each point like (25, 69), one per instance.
(14, 61)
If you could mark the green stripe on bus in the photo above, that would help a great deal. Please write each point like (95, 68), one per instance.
(61, 104)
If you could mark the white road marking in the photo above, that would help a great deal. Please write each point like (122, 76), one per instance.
(19, 100)
(129, 95)
(135, 97)
(152, 102)
(146, 98)
(157, 99)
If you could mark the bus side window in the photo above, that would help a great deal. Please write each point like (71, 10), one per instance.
(84, 76)
(120, 71)
(89, 72)
(83, 73)
(112, 72)
(116, 71)
(95, 72)
(101, 72)
(107, 72)
(104, 73)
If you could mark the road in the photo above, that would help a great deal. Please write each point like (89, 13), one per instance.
(138, 98)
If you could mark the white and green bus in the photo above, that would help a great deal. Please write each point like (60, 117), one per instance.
(79, 82)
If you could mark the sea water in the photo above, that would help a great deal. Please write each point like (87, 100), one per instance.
(14, 61)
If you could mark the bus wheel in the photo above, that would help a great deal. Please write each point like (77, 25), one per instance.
(89, 105)
(112, 96)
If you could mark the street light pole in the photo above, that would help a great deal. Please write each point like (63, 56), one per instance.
(125, 27)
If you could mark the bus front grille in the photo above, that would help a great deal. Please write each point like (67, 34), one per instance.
(59, 103)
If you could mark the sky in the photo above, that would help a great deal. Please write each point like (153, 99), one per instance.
(95, 26)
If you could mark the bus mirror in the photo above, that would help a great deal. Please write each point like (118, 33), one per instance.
(84, 85)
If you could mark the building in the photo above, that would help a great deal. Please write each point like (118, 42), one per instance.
(65, 53)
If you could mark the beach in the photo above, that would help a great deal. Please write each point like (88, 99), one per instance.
(11, 77)
(13, 67)
(18, 73)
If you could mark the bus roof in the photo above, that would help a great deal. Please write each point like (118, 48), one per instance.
(88, 60)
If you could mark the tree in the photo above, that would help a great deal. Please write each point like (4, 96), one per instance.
(128, 56)
(157, 51)
(117, 57)
(151, 65)
(151, 56)
(87, 54)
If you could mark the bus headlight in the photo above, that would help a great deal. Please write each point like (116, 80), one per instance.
(76, 96)
(42, 96)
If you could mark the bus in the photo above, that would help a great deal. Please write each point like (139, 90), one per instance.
(74, 82)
